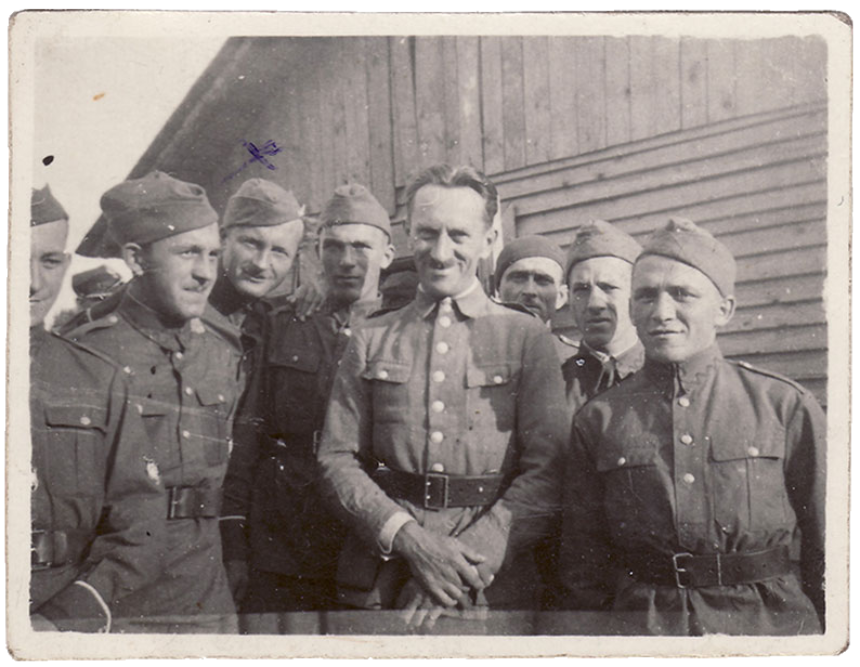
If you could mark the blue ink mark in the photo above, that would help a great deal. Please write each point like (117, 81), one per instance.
(269, 149)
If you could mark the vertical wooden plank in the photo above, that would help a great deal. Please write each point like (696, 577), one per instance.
(590, 94)
(403, 97)
(357, 134)
(562, 96)
(513, 114)
(694, 82)
(810, 70)
(310, 128)
(667, 84)
(430, 100)
(323, 80)
(617, 90)
(451, 114)
(491, 104)
(536, 99)
(379, 122)
(338, 100)
(779, 66)
(722, 79)
(469, 97)
(641, 87)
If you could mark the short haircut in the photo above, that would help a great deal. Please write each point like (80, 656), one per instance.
(447, 176)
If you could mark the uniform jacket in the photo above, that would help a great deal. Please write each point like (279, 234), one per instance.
(585, 375)
(706, 456)
(272, 482)
(184, 383)
(89, 483)
(475, 393)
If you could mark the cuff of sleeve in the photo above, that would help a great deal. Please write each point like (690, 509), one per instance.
(395, 522)
(234, 539)
(78, 608)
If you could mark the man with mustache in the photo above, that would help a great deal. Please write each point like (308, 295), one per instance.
(687, 483)
(184, 382)
(92, 504)
(445, 426)
(274, 518)
(599, 265)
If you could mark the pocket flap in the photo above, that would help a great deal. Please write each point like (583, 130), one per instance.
(76, 416)
(386, 371)
(765, 443)
(305, 360)
(488, 376)
(617, 458)
(211, 396)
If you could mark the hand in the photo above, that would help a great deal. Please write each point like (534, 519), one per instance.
(444, 566)
(42, 624)
(419, 608)
(237, 578)
(307, 299)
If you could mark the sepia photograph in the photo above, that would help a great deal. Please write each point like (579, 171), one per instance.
(390, 335)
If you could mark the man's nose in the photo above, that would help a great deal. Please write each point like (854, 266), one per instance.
(663, 308)
(35, 278)
(596, 301)
(442, 250)
(348, 256)
(204, 269)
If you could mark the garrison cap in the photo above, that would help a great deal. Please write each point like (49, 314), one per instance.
(96, 282)
(261, 203)
(683, 241)
(45, 208)
(155, 207)
(353, 204)
(527, 246)
(600, 239)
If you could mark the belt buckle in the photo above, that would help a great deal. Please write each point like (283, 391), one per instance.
(173, 501)
(35, 551)
(429, 503)
(679, 569)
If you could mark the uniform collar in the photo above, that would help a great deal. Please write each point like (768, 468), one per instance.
(629, 361)
(469, 302)
(227, 300)
(687, 372)
(354, 313)
(148, 322)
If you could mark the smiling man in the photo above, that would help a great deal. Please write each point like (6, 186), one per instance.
(599, 265)
(445, 426)
(184, 382)
(687, 483)
(280, 542)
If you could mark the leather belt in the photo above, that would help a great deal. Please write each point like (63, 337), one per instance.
(685, 570)
(437, 490)
(55, 548)
(193, 502)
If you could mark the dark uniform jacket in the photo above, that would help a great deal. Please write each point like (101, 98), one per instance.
(272, 483)
(702, 457)
(586, 375)
(93, 504)
(184, 383)
(475, 391)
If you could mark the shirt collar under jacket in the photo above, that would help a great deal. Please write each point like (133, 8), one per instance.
(469, 302)
(627, 362)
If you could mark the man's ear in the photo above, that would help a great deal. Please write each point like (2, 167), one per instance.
(490, 237)
(726, 310)
(562, 297)
(388, 256)
(132, 255)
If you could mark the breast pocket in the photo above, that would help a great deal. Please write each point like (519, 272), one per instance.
(215, 406)
(74, 449)
(491, 395)
(293, 389)
(390, 398)
(749, 481)
(629, 474)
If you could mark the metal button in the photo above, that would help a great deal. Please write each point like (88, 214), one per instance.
(382, 374)
(113, 319)
(178, 356)
(189, 390)
(295, 357)
(684, 402)
(347, 332)
(687, 439)
(126, 369)
(689, 478)
(580, 362)
(622, 461)
(221, 397)
(753, 451)
(442, 348)
(445, 321)
(186, 434)
(437, 406)
(436, 437)
(438, 376)
(445, 306)
(437, 467)
(498, 379)
(139, 408)
(86, 421)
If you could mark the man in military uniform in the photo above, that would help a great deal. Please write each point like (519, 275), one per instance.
(445, 426)
(95, 285)
(530, 272)
(184, 378)
(599, 265)
(274, 518)
(93, 537)
(687, 482)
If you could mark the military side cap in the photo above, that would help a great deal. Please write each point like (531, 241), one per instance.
(353, 204)
(683, 241)
(99, 281)
(261, 203)
(600, 239)
(148, 209)
(45, 208)
(523, 247)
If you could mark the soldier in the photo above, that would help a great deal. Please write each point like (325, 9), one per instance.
(687, 482)
(445, 426)
(530, 272)
(291, 541)
(95, 285)
(184, 381)
(93, 537)
(599, 265)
